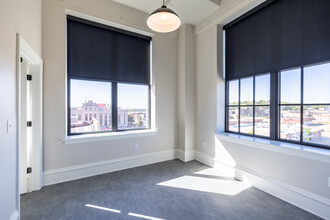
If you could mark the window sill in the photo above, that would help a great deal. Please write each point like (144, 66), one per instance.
(108, 136)
(318, 154)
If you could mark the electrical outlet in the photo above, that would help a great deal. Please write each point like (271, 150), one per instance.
(136, 146)
(204, 144)
(10, 126)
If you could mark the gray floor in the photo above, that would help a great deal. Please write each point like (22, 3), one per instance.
(136, 191)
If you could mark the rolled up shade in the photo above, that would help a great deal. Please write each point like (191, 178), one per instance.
(101, 52)
(280, 35)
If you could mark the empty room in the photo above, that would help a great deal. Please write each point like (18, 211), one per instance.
(165, 109)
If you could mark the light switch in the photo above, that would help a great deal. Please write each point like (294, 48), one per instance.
(10, 126)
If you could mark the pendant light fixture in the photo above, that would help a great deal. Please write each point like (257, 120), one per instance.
(164, 20)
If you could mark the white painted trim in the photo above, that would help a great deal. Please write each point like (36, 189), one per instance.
(15, 215)
(116, 24)
(36, 63)
(180, 155)
(226, 17)
(308, 201)
(215, 163)
(92, 169)
(295, 150)
(24, 50)
(108, 136)
(204, 158)
(185, 156)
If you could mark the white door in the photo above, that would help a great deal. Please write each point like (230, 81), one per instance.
(26, 131)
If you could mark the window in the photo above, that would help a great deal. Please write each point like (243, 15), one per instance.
(108, 78)
(133, 110)
(84, 96)
(248, 108)
(305, 105)
(298, 110)
(271, 39)
(94, 100)
(289, 107)
(316, 105)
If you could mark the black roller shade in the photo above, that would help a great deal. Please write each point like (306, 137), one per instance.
(100, 52)
(280, 35)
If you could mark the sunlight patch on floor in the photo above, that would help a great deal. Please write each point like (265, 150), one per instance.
(102, 208)
(144, 216)
(118, 211)
(206, 184)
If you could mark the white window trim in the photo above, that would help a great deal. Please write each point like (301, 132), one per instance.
(108, 136)
(296, 150)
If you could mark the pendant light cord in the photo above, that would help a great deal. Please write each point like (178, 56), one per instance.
(163, 2)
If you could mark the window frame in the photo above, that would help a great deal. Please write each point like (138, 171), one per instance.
(275, 105)
(114, 107)
(227, 106)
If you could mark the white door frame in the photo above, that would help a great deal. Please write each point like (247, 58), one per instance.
(36, 66)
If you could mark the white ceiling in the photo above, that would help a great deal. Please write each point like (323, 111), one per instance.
(190, 11)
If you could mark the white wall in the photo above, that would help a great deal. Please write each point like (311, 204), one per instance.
(58, 155)
(206, 89)
(186, 90)
(24, 17)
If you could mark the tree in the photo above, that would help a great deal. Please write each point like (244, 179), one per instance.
(130, 119)
(140, 124)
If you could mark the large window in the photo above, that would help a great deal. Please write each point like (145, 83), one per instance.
(271, 39)
(108, 78)
(291, 105)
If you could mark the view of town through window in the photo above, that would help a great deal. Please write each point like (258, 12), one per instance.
(241, 113)
(304, 106)
(133, 105)
(290, 99)
(316, 107)
(91, 106)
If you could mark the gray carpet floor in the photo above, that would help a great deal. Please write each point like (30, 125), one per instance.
(164, 190)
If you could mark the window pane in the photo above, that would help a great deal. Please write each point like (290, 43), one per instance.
(90, 102)
(233, 119)
(247, 91)
(262, 90)
(290, 86)
(316, 84)
(133, 106)
(233, 92)
(246, 120)
(262, 121)
(290, 123)
(317, 124)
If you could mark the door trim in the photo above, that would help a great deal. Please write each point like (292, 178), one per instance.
(36, 68)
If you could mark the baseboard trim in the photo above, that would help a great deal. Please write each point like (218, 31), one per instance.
(15, 215)
(308, 201)
(92, 169)
(185, 156)
(213, 162)
(204, 158)
(303, 199)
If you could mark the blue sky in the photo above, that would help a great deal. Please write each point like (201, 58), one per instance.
(262, 88)
(316, 86)
(129, 96)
